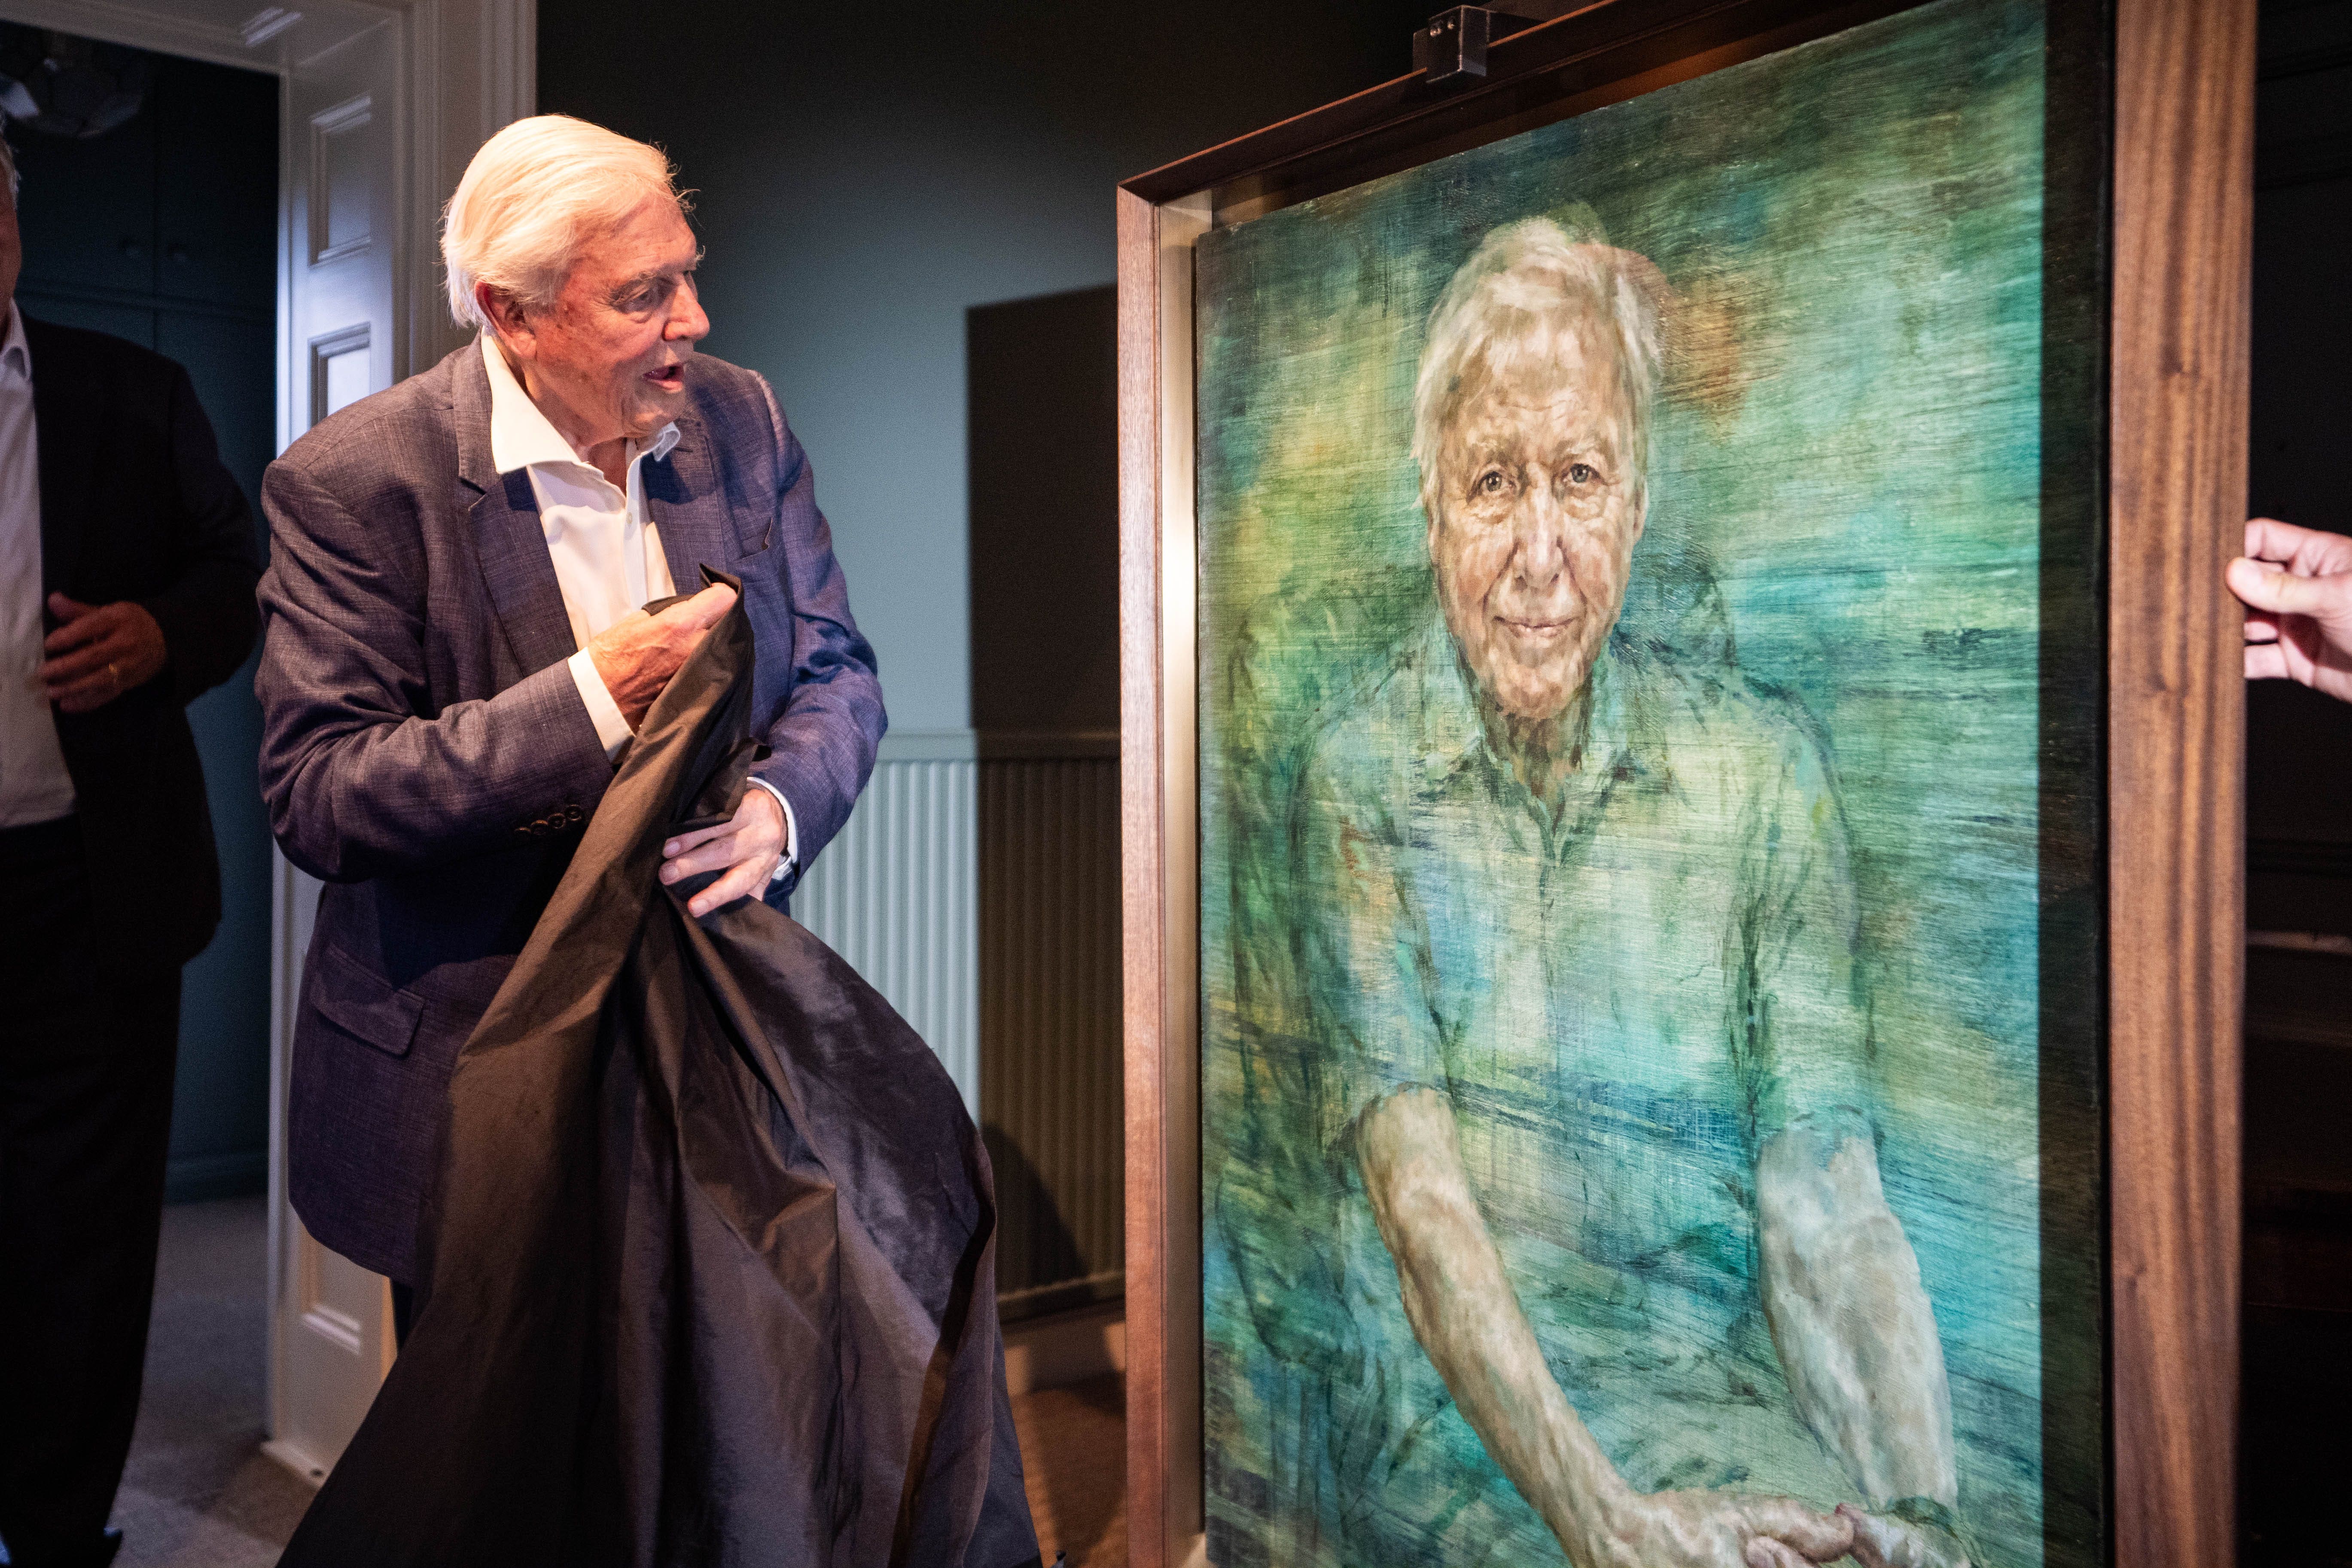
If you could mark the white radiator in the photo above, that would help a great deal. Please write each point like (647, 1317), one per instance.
(897, 893)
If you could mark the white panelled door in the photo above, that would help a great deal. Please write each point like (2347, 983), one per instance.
(331, 1331)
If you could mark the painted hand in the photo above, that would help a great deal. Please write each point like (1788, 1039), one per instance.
(2297, 583)
(746, 848)
(99, 652)
(1880, 1542)
(1724, 1530)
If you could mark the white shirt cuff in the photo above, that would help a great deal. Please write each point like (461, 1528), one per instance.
(792, 831)
(612, 730)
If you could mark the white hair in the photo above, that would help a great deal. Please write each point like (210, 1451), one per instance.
(1528, 278)
(533, 198)
(9, 162)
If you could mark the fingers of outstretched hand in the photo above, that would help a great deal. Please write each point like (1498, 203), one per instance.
(714, 850)
(2311, 551)
(66, 609)
(86, 629)
(2282, 592)
(83, 696)
(685, 841)
(744, 882)
(1763, 1551)
(1817, 1537)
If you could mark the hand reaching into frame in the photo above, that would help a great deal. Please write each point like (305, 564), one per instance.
(98, 653)
(2297, 583)
(745, 850)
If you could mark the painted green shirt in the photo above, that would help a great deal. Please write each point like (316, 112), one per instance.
(1624, 995)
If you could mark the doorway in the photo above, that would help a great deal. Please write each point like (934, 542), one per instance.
(370, 109)
(149, 211)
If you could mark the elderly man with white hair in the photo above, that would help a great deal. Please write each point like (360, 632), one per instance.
(1579, 934)
(455, 651)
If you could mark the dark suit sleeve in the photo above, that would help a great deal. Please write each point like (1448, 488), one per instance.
(207, 614)
(358, 778)
(823, 742)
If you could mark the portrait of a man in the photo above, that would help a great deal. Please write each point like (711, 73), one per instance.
(1599, 901)
(1647, 714)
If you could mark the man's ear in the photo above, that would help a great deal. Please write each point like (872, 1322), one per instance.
(507, 315)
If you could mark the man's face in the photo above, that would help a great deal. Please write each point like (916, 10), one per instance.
(1536, 516)
(612, 350)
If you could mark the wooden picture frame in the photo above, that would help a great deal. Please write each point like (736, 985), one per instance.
(2180, 190)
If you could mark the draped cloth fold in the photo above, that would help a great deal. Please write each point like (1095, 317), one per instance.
(708, 1267)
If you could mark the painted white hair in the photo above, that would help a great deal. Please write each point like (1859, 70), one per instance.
(534, 196)
(8, 161)
(1528, 279)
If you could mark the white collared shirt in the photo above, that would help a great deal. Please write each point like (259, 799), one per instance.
(606, 549)
(33, 783)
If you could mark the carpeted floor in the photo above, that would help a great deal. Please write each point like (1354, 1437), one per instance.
(200, 1494)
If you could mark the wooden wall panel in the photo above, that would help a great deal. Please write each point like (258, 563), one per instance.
(2183, 214)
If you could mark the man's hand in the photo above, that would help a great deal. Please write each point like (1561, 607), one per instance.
(1881, 1542)
(636, 655)
(2297, 587)
(98, 653)
(1723, 1529)
(747, 848)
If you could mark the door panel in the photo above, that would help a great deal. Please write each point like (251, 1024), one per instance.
(332, 1331)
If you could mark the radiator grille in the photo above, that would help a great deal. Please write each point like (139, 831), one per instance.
(895, 895)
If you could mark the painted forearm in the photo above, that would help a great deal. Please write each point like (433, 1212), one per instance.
(1852, 1320)
(1469, 1320)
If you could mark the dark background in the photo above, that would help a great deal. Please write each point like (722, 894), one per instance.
(163, 230)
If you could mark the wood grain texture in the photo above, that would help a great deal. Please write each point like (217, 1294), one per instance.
(1143, 909)
(1160, 897)
(2183, 212)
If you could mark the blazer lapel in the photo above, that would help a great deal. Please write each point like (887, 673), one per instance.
(67, 420)
(688, 507)
(509, 539)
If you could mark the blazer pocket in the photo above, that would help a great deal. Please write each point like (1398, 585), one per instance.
(364, 1004)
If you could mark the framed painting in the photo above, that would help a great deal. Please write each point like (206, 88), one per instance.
(1680, 802)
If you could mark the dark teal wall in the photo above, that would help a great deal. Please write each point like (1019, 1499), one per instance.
(867, 177)
(163, 230)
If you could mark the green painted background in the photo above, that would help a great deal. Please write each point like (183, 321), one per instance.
(1878, 431)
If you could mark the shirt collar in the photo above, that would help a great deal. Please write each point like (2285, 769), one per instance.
(1453, 731)
(521, 437)
(16, 353)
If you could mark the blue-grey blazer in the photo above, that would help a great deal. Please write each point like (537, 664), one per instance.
(425, 751)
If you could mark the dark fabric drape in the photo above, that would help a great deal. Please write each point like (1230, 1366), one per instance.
(709, 1270)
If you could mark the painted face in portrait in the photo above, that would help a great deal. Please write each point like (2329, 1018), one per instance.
(611, 351)
(1538, 506)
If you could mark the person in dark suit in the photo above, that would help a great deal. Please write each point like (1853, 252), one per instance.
(454, 657)
(127, 567)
